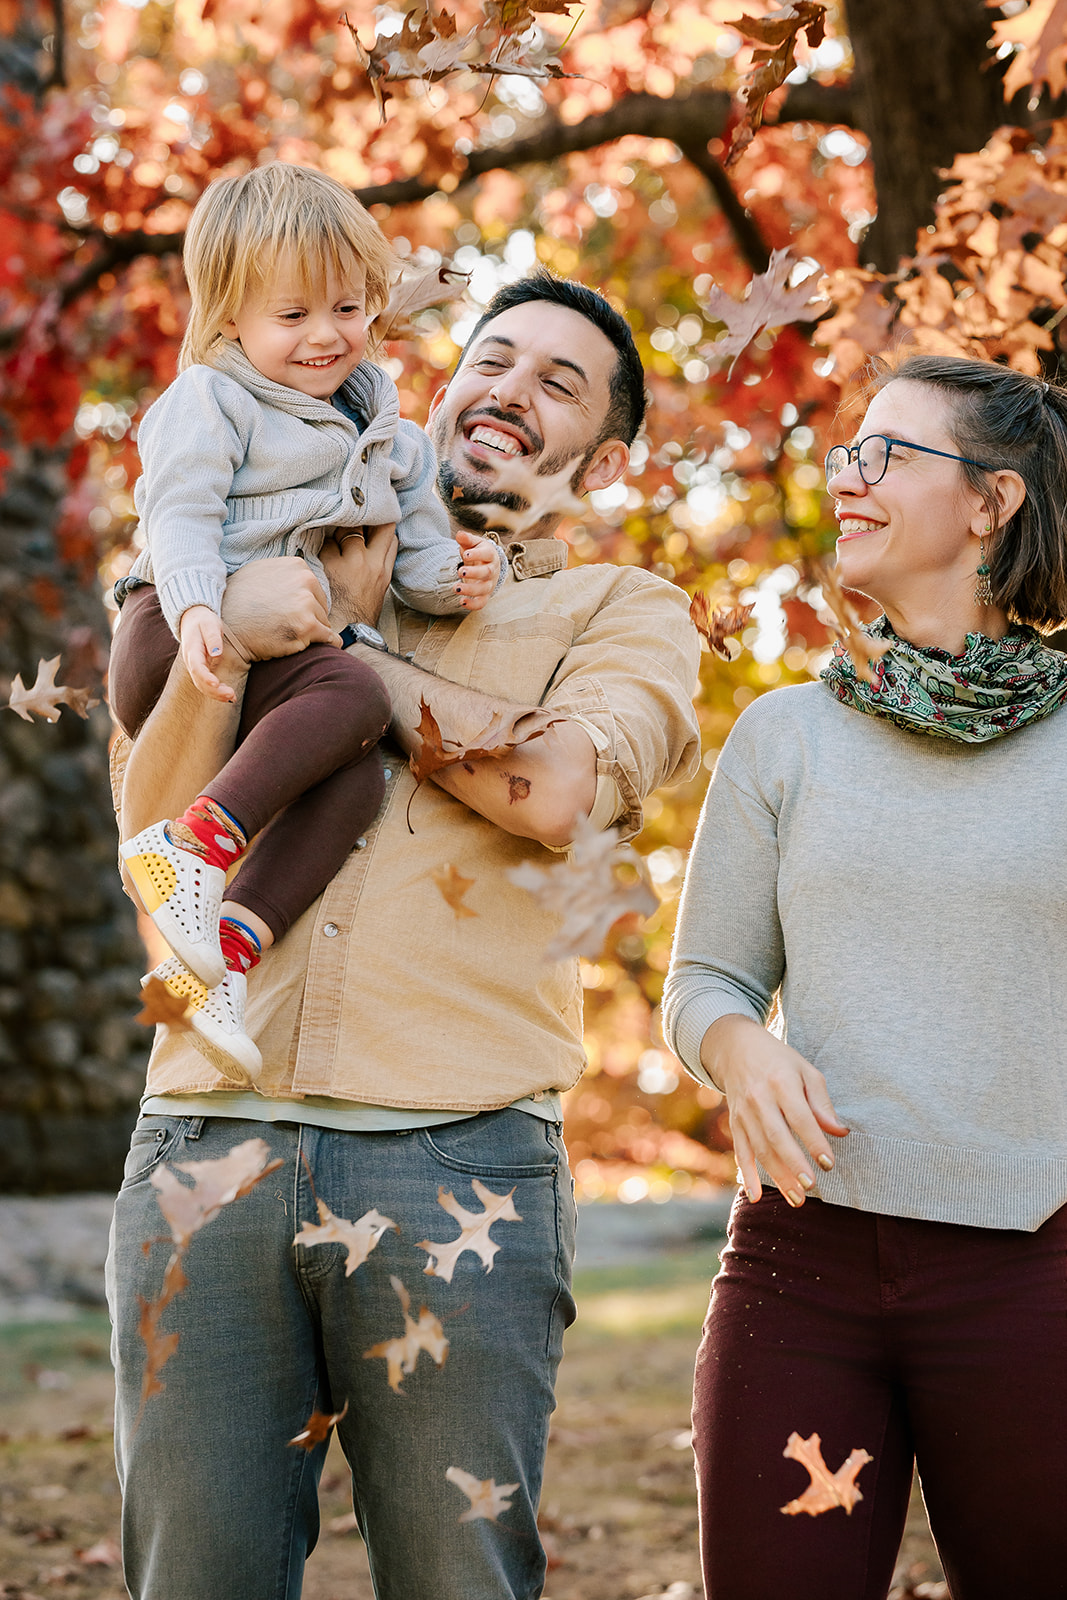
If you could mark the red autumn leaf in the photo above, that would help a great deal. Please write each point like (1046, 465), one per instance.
(827, 1489)
(453, 886)
(317, 1428)
(717, 625)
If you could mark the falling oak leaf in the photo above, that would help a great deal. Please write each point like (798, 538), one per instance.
(717, 625)
(848, 624)
(600, 882)
(162, 1005)
(778, 30)
(359, 1237)
(504, 734)
(432, 287)
(769, 302)
(475, 1234)
(105, 1553)
(827, 1489)
(487, 1497)
(453, 886)
(316, 1428)
(402, 1353)
(45, 697)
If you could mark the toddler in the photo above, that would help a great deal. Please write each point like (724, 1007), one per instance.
(276, 434)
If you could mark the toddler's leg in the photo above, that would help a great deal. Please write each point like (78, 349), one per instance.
(142, 653)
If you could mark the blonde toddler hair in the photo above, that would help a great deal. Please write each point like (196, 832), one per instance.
(242, 227)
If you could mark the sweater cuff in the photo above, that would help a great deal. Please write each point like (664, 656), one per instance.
(688, 1027)
(187, 589)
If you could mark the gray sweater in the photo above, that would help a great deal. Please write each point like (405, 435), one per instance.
(909, 897)
(236, 468)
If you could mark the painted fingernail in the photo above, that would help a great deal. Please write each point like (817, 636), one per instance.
(805, 1180)
(794, 1198)
(826, 1163)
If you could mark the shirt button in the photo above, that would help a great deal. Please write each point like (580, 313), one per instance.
(357, 494)
(388, 774)
(361, 844)
(331, 930)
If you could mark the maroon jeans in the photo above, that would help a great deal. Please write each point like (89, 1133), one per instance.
(917, 1341)
(306, 757)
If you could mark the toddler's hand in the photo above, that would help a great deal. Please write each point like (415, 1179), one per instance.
(201, 644)
(480, 570)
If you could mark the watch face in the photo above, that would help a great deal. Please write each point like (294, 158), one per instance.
(368, 635)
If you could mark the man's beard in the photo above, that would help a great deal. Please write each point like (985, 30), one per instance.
(466, 494)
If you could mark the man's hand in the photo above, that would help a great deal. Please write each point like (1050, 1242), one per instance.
(359, 566)
(480, 570)
(276, 607)
(200, 634)
(775, 1098)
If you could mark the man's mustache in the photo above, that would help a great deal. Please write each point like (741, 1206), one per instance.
(534, 441)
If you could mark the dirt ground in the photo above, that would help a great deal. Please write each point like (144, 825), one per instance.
(619, 1512)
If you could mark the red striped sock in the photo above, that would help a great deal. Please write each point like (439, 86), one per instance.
(208, 831)
(240, 947)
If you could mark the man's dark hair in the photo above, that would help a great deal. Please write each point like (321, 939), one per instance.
(626, 393)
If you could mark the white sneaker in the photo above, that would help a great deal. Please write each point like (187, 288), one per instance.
(183, 896)
(218, 1020)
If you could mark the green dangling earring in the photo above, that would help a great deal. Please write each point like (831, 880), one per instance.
(983, 589)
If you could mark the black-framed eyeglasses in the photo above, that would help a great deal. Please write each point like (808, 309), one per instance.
(872, 454)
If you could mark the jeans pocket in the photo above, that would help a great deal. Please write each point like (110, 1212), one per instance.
(152, 1140)
(497, 1144)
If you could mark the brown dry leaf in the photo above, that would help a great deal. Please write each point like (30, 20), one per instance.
(359, 1238)
(215, 1184)
(105, 1553)
(827, 1489)
(487, 1497)
(163, 1006)
(778, 30)
(1041, 31)
(848, 624)
(453, 886)
(434, 287)
(402, 1353)
(717, 626)
(600, 882)
(504, 734)
(475, 1230)
(769, 302)
(512, 16)
(45, 696)
(317, 1427)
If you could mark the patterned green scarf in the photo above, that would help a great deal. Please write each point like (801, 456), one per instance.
(995, 686)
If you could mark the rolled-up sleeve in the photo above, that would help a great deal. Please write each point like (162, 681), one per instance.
(628, 680)
(729, 952)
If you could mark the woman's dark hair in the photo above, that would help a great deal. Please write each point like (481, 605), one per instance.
(1008, 420)
(626, 395)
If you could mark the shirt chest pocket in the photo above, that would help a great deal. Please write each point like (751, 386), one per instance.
(518, 658)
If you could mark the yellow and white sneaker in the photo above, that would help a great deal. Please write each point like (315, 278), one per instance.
(218, 1020)
(183, 895)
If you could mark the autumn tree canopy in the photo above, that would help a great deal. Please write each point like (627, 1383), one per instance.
(907, 184)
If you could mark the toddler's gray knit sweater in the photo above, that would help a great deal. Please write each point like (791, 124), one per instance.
(909, 896)
(237, 468)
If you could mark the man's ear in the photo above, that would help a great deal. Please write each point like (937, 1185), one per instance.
(607, 466)
(435, 403)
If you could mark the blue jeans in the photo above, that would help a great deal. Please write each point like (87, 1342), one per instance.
(215, 1503)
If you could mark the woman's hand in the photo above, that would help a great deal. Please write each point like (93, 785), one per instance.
(775, 1098)
(359, 566)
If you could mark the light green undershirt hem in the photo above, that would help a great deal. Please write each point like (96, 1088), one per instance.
(321, 1111)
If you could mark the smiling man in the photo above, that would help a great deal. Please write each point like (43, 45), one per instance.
(415, 1049)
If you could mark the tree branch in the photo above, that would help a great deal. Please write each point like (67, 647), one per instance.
(749, 240)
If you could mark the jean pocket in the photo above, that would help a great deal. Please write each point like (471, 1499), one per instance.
(497, 1144)
(152, 1140)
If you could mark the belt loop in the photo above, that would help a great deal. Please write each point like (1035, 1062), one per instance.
(195, 1128)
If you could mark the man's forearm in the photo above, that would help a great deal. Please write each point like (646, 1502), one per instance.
(536, 791)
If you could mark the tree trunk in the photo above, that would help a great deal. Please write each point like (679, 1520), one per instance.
(71, 1056)
(925, 87)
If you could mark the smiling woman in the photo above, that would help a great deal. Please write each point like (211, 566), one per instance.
(889, 861)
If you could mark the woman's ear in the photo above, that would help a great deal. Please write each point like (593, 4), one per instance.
(1009, 491)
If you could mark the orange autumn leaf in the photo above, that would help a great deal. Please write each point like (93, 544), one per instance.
(45, 696)
(162, 1005)
(600, 882)
(1038, 36)
(359, 1238)
(717, 625)
(778, 31)
(474, 1225)
(453, 886)
(487, 1497)
(317, 1428)
(827, 1489)
(402, 1353)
